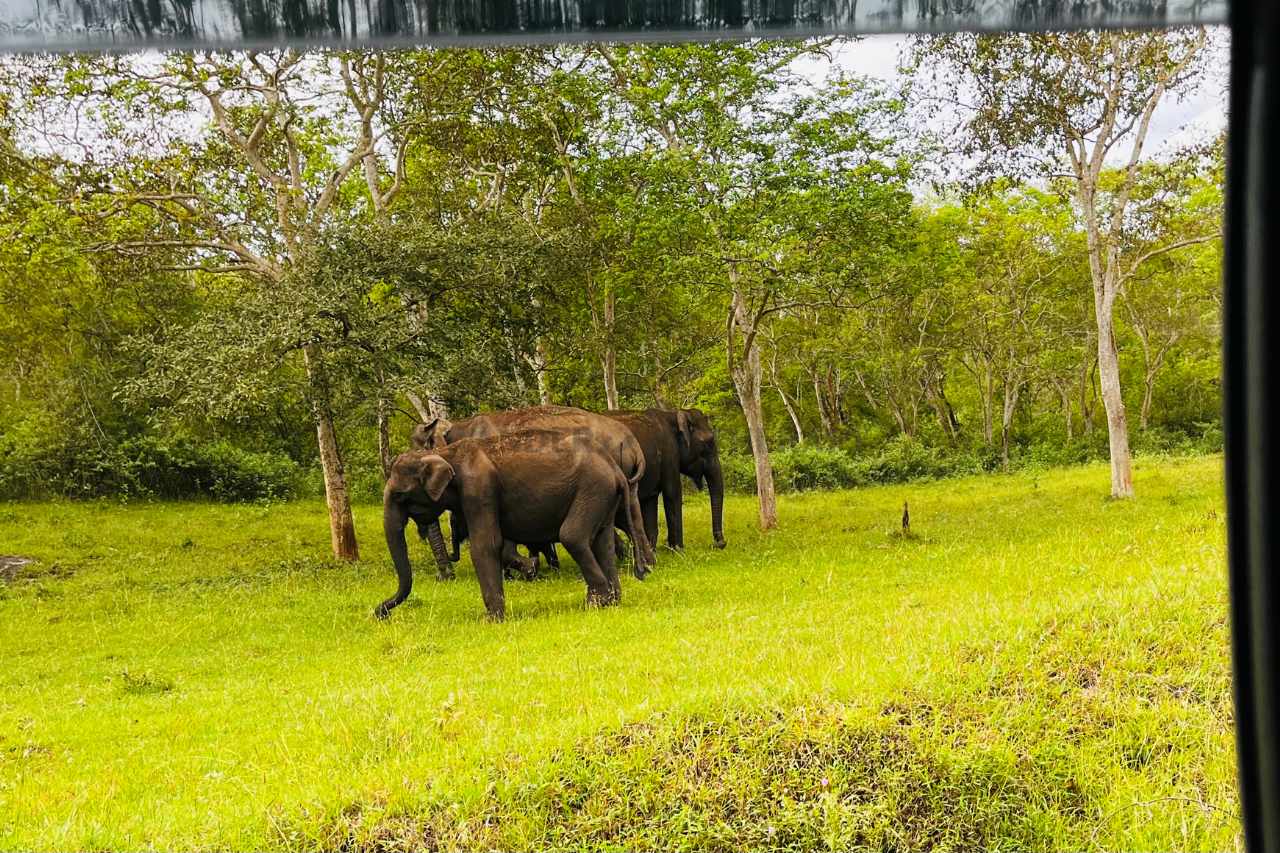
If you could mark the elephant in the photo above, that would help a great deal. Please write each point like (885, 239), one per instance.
(528, 568)
(674, 443)
(528, 486)
(613, 436)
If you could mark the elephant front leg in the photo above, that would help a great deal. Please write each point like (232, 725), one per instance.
(487, 559)
(649, 512)
(673, 509)
(553, 559)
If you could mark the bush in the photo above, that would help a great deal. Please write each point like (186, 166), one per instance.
(179, 468)
(36, 465)
(900, 459)
(805, 467)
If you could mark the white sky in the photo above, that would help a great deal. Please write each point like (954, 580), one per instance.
(1175, 123)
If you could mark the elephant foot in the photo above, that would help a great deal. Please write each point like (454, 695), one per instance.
(641, 572)
(382, 611)
(446, 575)
(608, 598)
(719, 544)
(678, 547)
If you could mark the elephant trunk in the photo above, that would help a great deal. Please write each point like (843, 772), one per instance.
(715, 486)
(444, 566)
(393, 522)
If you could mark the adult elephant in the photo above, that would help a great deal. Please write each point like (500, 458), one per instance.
(529, 486)
(613, 436)
(675, 443)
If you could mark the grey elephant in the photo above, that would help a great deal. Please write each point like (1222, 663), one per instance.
(528, 486)
(613, 436)
(676, 442)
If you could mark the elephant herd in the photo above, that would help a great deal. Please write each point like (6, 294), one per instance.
(545, 475)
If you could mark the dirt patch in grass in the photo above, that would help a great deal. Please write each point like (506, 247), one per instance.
(11, 565)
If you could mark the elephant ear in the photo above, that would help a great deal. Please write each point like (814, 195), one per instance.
(420, 438)
(682, 426)
(436, 476)
(431, 435)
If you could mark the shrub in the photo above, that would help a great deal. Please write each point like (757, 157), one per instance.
(182, 467)
(34, 465)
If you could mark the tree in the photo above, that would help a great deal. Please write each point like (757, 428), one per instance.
(290, 138)
(1079, 99)
(795, 200)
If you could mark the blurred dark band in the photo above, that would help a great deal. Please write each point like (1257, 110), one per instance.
(35, 25)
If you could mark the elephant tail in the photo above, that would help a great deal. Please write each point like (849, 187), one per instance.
(628, 492)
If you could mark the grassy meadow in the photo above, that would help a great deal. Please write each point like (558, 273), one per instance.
(1034, 667)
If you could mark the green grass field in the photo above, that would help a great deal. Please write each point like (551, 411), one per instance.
(1037, 667)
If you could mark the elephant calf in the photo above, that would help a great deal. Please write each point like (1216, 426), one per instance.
(511, 559)
(529, 486)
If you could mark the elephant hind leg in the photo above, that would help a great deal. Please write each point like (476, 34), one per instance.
(602, 550)
(581, 538)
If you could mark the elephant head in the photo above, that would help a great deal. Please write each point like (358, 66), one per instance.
(415, 489)
(432, 435)
(700, 461)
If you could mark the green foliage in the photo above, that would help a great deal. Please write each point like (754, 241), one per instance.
(557, 224)
(81, 466)
(807, 467)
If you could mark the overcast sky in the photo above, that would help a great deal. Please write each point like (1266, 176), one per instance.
(1175, 123)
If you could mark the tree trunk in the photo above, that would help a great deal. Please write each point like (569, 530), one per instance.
(986, 391)
(609, 357)
(1086, 392)
(786, 401)
(795, 418)
(827, 429)
(1010, 402)
(429, 410)
(935, 389)
(540, 372)
(1064, 394)
(747, 378)
(1112, 401)
(384, 436)
(342, 530)
(1148, 390)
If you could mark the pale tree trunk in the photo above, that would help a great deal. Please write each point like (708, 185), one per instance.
(1086, 151)
(609, 358)
(747, 379)
(1151, 364)
(544, 388)
(822, 409)
(384, 436)
(1063, 387)
(791, 410)
(427, 410)
(1087, 393)
(786, 401)
(1112, 401)
(935, 390)
(986, 395)
(342, 530)
(1010, 405)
